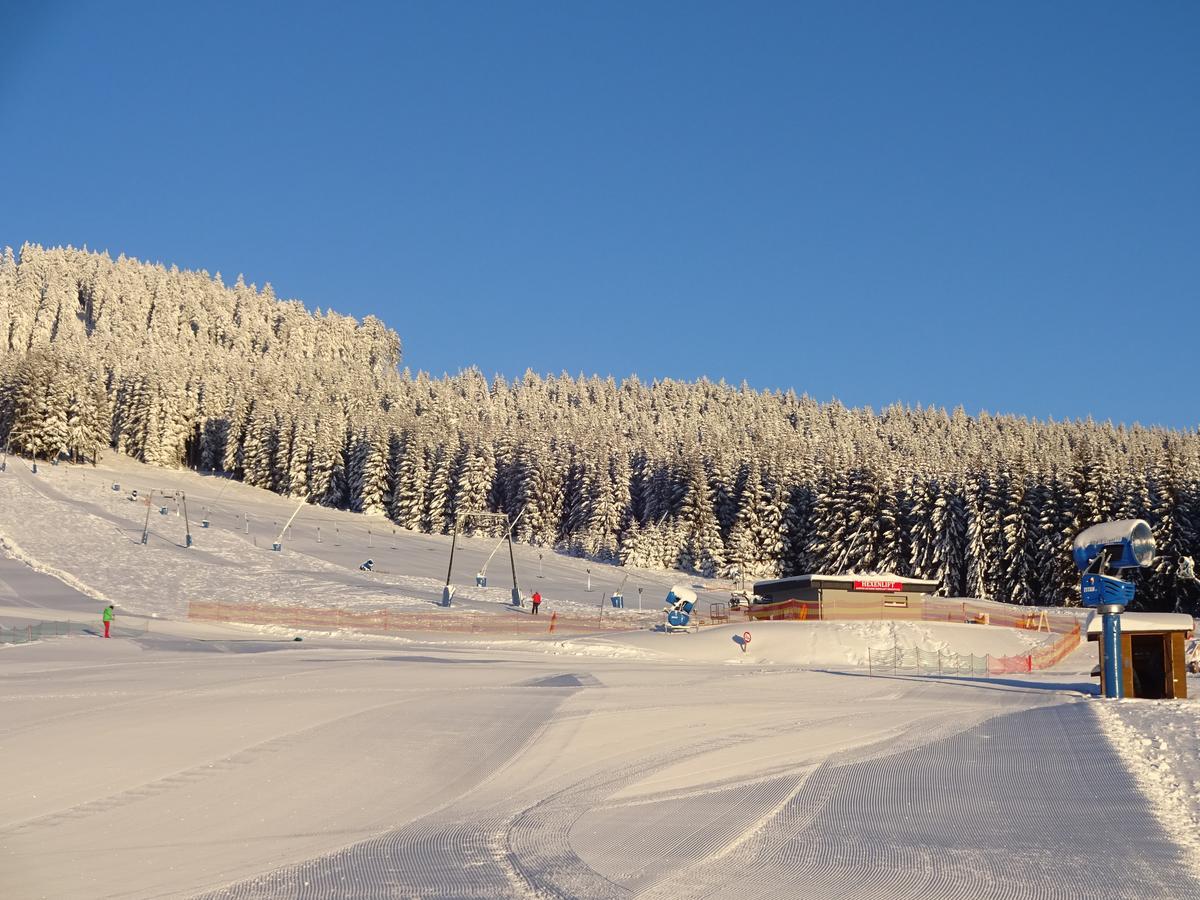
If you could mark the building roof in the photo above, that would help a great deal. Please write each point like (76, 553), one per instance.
(925, 585)
(1135, 621)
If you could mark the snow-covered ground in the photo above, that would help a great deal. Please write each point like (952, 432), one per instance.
(69, 521)
(186, 759)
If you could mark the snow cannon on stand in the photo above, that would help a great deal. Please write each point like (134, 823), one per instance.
(1099, 550)
(680, 608)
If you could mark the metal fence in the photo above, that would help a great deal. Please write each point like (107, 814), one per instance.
(926, 662)
(37, 631)
(24, 634)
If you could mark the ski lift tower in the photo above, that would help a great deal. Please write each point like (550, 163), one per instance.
(448, 590)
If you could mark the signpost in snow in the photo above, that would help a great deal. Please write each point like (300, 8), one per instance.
(745, 640)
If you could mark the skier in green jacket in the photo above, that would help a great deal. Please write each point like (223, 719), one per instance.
(108, 618)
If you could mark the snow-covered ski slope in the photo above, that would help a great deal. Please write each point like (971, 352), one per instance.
(69, 520)
(196, 759)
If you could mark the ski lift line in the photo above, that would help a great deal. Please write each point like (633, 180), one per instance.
(279, 540)
(506, 536)
(447, 590)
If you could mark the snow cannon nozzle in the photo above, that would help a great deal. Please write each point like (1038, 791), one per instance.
(1122, 544)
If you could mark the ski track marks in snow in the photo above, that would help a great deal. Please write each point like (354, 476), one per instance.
(1028, 805)
(1160, 743)
(449, 852)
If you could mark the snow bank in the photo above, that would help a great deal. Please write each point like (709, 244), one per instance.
(816, 643)
(1160, 743)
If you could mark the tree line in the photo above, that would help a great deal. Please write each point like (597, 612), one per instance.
(175, 368)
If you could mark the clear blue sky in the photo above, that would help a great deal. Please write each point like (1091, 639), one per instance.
(938, 203)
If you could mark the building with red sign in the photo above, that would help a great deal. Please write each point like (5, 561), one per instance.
(841, 597)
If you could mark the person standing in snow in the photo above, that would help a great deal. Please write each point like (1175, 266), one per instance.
(536, 600)
(109, 614)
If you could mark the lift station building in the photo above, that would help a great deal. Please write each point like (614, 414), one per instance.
(841, 597)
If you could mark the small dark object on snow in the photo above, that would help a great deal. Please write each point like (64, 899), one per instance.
(368, 566)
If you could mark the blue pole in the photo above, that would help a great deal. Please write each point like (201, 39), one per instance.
(1112, 650)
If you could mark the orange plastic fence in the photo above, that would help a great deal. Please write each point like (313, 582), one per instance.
(384, 621)
(784, 609)
(895, 659)
(1041, 658)
(929, 609)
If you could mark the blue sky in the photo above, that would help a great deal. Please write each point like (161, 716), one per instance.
(949, 203)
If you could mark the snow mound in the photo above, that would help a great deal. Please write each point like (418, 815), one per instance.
(815, 643)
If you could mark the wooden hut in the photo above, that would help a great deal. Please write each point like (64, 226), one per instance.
(1153, 653)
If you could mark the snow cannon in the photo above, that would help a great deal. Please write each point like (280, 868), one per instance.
(1111, 547)
(1124, 544)
(680, 607)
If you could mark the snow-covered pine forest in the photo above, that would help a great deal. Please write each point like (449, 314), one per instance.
(177, 369)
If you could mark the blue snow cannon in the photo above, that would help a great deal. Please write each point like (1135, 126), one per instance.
(1111, 547)
(680, 604)
(1124, 544)
(1108, 548)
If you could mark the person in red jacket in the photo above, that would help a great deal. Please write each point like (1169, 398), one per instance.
(536, 600)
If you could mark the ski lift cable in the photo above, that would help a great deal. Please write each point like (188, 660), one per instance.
(506, 536)
(282, 531)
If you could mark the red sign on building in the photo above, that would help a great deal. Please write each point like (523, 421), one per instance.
(878, 584)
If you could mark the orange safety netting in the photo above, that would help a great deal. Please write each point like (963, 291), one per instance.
(941, 662)
(1041, 658)
(384, 621)
(928, 609)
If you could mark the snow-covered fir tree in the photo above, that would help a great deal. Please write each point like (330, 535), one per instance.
(177, 368)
